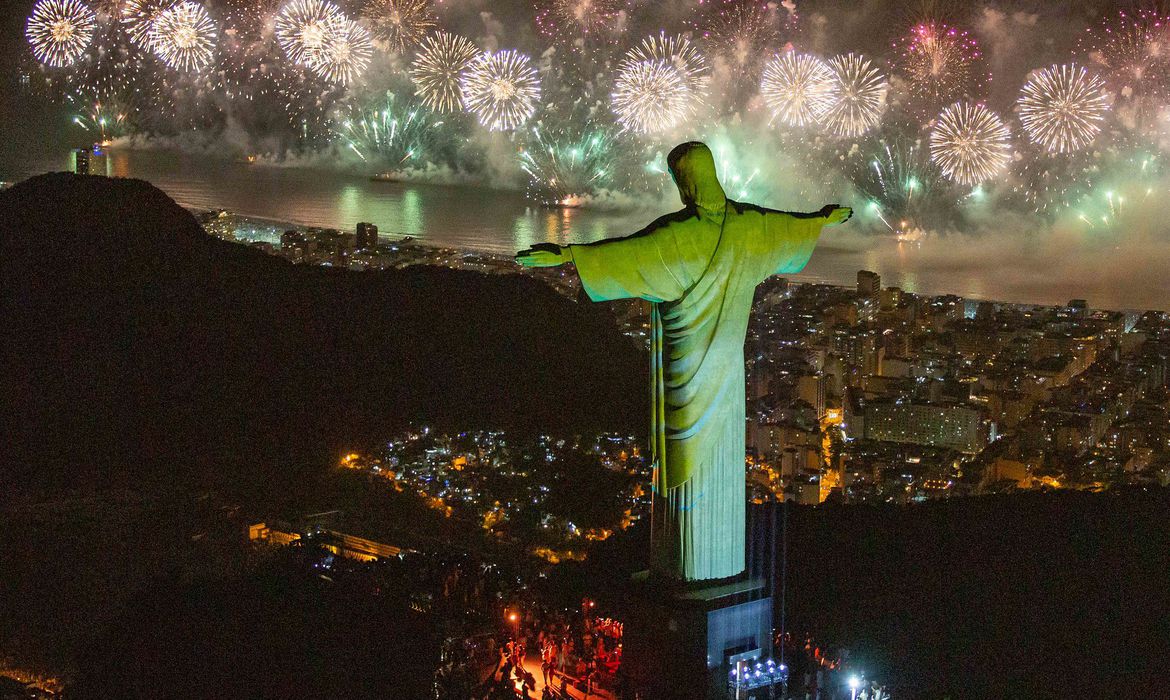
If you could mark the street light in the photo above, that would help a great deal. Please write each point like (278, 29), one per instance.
(513, 618)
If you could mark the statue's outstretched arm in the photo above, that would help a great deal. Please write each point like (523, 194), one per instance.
(831, 213)
(634, 266)
(551, 254)
(545, 255)
(790, 237)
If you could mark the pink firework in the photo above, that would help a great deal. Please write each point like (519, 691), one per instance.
(1131, 53)
(940, 64)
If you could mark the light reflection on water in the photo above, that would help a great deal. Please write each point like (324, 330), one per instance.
(1127, 270)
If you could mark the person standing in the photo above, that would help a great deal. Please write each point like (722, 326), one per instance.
(562, 656)
(547, 656)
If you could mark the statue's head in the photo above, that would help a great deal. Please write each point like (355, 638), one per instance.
(693, 168)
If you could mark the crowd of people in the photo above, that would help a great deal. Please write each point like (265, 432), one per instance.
(541, 654)
(820, 673)
(588, 659)
(577, 655)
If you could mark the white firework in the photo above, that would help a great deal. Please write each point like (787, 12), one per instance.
(437, 69)
(138, 18)
(970, 144)
(650, 96)
(1063, 107)
(183, 36)
(59, 31)
(796, 87)
(303, 27)
(501, 89)
(678, 52)
(857, 96)
(345, 54)
(400, 23)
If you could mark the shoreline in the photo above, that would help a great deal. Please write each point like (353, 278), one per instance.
(1037, 271)
(279, 226)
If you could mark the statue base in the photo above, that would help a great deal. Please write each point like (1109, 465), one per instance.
(684, 640)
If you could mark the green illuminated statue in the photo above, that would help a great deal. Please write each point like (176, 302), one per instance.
(699, 267)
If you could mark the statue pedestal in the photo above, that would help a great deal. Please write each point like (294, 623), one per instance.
(681, 641)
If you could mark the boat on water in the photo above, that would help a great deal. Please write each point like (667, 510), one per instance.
(386, 177)
(569, 202)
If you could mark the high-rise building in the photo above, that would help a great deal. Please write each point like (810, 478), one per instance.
(366, 237)
(99, 161)
(889, 298)
(811, 388)
(942, 310)
(863, 352)
(956, 427)
(89, 161)
(869, 284)
(81, 161)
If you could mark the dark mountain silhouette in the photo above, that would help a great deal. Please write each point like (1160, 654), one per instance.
(140, 350)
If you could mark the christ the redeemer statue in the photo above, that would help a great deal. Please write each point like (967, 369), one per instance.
(699, 267)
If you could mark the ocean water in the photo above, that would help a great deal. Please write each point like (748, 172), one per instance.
(1127, 269)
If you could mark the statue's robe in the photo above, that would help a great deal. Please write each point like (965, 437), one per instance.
(699, 267)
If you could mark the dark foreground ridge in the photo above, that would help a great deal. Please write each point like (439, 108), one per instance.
(139, 349)
(1029, 595)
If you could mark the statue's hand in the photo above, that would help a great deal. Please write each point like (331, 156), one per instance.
(544, 255)
(836, 214)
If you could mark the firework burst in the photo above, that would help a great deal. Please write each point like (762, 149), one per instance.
(272, 99)
(795, 87)
(568, 166)
(857, 96)
(678, 52)
(437, 69)
(1134, 178)
(739, 32)
(941, 63)
(123, 79)
(104, 121)
(573, 18)
(899, 181)
(402, 24)
(1131, 51)
(345, 53)
(138, 17)
(650, 96)
(59, 31)
(183, 36)
(303, 27)
(501, 89)
(660, 83)
(970, 144)
(1062, 108)
(394, 133)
